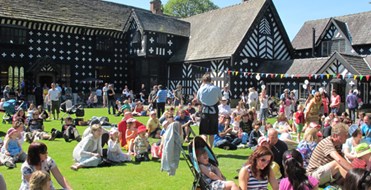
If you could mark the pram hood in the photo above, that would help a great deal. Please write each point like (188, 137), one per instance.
(198, 142)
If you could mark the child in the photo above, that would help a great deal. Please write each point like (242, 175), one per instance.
(255, 134)
(363, 156)
(282, 107)
(69, 131)
(299, 120)
(43, 113)
(114, 152)
(211, 173)
(39, 180)
(296, 178)
(141, 145)
(30, 111)
(12, 149)
(131, 134)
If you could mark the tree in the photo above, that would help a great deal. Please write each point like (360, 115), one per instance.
(186, 8)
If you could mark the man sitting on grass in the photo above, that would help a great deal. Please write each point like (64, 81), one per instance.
(327, 159)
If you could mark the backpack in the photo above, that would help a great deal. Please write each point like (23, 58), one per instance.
(306, 150)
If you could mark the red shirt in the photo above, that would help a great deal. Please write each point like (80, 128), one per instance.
(122, 127)
(358, 163)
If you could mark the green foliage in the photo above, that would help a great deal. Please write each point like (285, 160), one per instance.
(186, 8)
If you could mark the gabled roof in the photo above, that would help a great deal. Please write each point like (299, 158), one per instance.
(359, 26)
(218, 33)
(355, 64)
(161, 23)
(358, 63)
(293, 67)
(87, 13)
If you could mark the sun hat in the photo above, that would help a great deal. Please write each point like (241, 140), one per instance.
(261, 140)
(362, 149)
(141, 129)
(113, 130)
(131, 120)
(224, 98)
(352, 129)
(11, 131)
(152, 112)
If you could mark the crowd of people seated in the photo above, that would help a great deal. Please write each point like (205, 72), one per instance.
(321, 148)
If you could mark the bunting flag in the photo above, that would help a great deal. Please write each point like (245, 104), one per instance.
(282, 75)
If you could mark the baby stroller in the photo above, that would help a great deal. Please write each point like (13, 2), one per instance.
(199, 181)
(10, 107)
(68, 109)
(272, 107)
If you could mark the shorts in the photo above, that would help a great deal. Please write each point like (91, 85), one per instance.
(209, 124)
(263, 114)
(217, 185)
(299, 127)
(323, 174)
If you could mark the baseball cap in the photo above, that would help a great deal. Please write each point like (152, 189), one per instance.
(352, 129)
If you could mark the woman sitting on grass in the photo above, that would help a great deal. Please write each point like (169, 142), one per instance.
(257, 172)
(88, 152)
(38, 159)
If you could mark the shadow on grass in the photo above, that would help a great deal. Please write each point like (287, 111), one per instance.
(2, 134)
(234, 156)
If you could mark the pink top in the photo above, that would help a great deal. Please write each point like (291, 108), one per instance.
(286, 185)
(335, 101)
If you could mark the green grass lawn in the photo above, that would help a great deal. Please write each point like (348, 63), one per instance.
(146, 175)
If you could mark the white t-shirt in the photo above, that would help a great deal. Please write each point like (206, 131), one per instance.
(54, 94)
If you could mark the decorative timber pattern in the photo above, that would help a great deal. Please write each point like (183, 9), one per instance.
(266, 41)
(337, 68)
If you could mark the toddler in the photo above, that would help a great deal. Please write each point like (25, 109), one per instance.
(114, 152)
(299, 120)
(141, 145)
(255, 134)
(131, 134)
(212, 174)
(12, 150)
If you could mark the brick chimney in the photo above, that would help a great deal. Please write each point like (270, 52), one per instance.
(156, 7)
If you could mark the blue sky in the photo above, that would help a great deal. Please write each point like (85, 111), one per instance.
(293, 13)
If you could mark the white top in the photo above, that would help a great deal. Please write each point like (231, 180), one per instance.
(264, 103)
(54, 94)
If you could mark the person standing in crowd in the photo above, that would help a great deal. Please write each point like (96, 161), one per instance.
(38, 159)
(178, 96)
(53, 95)
(151, 97)
(105, 95)
(252, 99)
(327, 161)
(227, 94)
(209, 96)
(312, 110)
(111, 99)
(278, 147)
(352, 103)
(335, 102)
(99, 93)
(160, 100)
(38, 92)
(325, 103)
(263, 99)
(6, 93)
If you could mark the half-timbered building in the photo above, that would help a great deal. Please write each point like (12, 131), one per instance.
(242, 45)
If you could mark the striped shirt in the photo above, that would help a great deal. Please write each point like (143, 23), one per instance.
(255, 184)
(321, 154)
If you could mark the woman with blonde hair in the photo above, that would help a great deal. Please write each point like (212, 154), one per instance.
(88, 153)
(308, 144)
